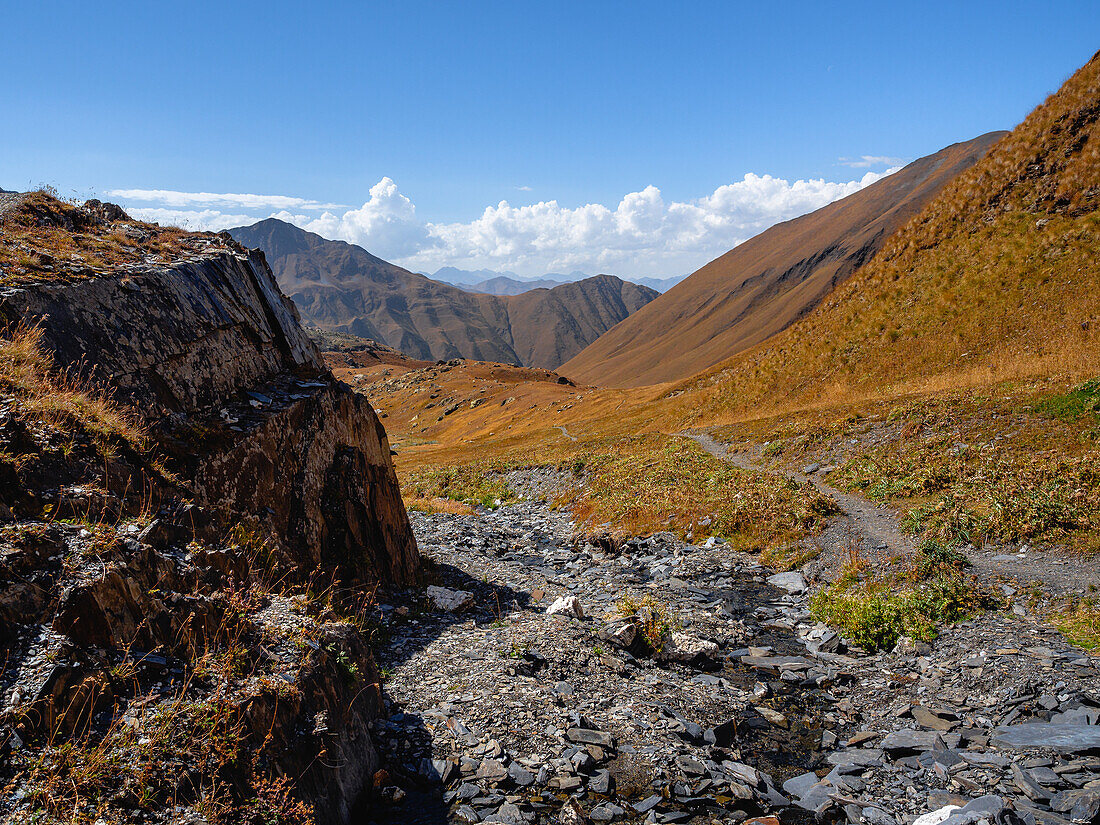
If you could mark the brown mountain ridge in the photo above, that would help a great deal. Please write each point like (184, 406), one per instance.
(340, 287)
(762, 286)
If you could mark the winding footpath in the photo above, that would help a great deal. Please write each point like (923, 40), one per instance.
(876, 529)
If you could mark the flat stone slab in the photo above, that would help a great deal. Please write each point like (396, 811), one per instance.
(904, 742)
(778, 663)
(1055, 735)
(856, 756)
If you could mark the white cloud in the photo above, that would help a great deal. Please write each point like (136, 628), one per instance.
(195, 219)
(642, 235)
(524, 188)
(386, 224)
(172, 198)
(867, 161)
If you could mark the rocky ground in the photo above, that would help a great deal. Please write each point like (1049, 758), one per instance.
(525, 684)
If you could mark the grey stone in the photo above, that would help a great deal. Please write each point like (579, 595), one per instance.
(1057, 736)
(590, 737)
(520, 775)
(800, 785)
(492, 770)
(863, 757)
(908, 742)
(790, 581)
(1086, 808)
(601, 782)
(508, 814)
(450, 601)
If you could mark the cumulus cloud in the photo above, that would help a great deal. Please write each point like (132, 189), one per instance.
(386, 224)
(867, 161)
(642, 235)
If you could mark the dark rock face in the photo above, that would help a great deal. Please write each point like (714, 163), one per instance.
(183, 337)
(320, 475)
(309, 463)
(260, 437)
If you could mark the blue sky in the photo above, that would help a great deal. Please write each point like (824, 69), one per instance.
(561, 110)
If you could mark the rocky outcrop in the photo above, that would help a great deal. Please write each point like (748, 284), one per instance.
(317, 475)
(184, 337)
(196, 609)
(213, 355)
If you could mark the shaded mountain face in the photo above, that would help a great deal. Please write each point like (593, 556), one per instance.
(340, 287)
(765, 284)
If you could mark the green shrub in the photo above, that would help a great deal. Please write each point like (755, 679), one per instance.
(874, 616)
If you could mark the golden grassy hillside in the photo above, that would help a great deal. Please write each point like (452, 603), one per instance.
(767, 283)
(996, 279)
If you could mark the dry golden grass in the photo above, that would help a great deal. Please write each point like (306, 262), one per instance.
(27, 376)
(994, 280)
(650, 483)
(45, 238)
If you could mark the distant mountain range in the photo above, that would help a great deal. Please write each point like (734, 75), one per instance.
(339, 287)
(767, 283)
(491, 282)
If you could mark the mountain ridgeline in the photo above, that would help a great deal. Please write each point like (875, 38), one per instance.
(340, 287)
(994, 280)
(762, 286)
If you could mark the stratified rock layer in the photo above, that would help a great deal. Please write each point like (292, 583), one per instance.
(306, 461)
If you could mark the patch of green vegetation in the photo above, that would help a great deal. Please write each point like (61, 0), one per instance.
(1082, 400)
(656, 621)
(1081, 624)
(875, 610)
(474, 484)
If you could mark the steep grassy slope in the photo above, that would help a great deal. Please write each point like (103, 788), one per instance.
(340, 287)
(995, 279)
(766, 283)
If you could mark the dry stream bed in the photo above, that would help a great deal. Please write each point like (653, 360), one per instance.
(500, 710)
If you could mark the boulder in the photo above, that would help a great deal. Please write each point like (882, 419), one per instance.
(449, 601)
(566, 605)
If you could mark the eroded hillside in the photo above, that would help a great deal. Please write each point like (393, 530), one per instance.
(767, 283)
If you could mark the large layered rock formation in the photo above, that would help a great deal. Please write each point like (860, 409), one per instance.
(205, 342)
(186, 563)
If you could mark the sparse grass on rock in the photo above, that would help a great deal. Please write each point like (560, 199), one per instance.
(45, 238)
